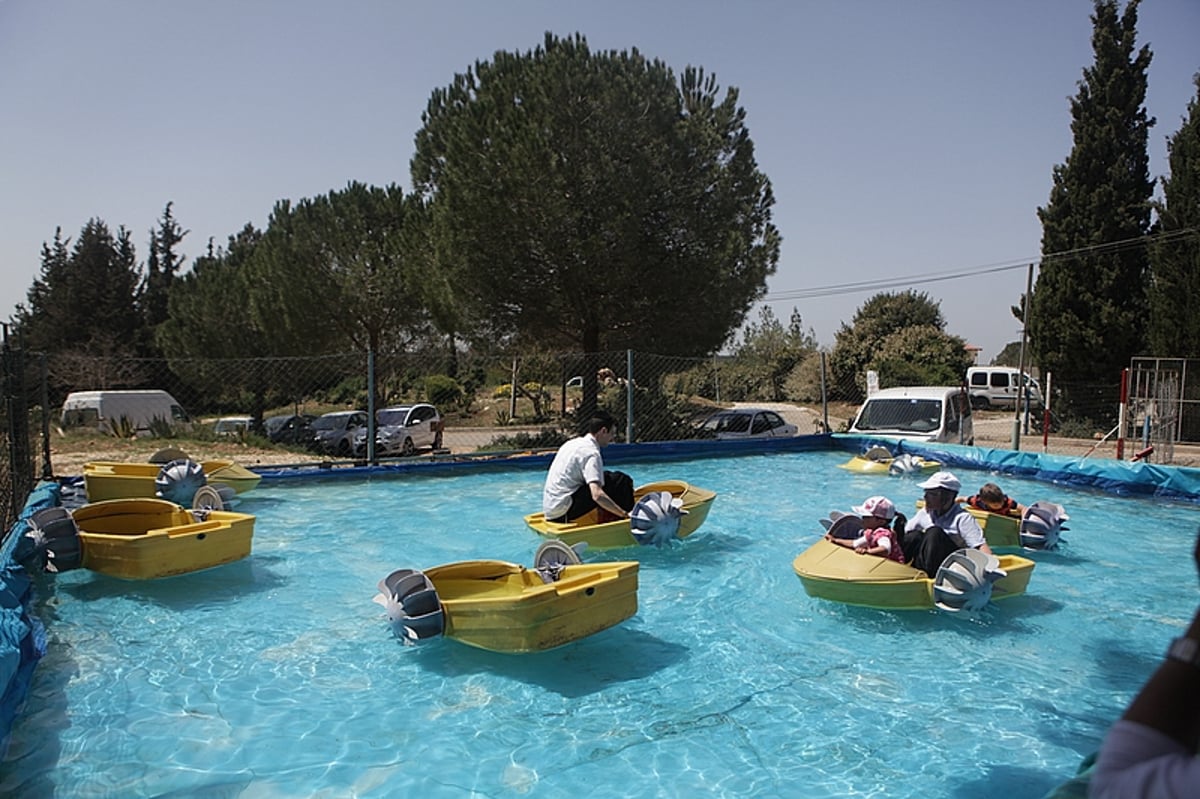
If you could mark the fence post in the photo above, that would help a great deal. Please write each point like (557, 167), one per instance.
(824, 397)
(628, 396)
(43, 375)
(1121, 414)
(370, 407)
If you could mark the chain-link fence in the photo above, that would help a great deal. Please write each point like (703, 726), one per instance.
(505, 402)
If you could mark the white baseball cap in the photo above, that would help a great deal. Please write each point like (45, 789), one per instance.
(876, 506)
(942, 480)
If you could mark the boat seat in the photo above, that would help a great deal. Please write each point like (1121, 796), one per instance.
(847, 526)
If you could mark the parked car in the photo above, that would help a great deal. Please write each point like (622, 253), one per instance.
(233, 425)
(289, 428)
(403, 429)
(334, 432)
(1000, 387)
(918, 413)
(742, 423)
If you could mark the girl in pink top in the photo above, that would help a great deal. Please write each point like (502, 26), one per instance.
(878, 537)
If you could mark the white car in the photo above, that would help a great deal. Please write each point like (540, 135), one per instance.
(403, 429)
(742, 423)
(233, 425)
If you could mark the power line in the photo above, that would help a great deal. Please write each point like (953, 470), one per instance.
(937, 277)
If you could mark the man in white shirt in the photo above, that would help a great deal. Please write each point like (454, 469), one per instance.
(942, 526)
(577, 482)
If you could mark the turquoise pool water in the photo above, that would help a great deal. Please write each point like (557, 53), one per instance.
(278, 677)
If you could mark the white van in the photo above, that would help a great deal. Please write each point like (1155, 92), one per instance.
(105, 410)
(1000, 387)
(917, 413)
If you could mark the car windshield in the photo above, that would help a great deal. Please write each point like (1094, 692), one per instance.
(393, 415)
(728, 423)
(908, 415)
(330, 422)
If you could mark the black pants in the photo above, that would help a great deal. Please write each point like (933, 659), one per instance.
(617, 485)
(926, 549)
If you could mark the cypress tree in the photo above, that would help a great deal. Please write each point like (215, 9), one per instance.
(1175, 257)
(1089, 304)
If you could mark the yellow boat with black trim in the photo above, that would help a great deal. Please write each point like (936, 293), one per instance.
(118, 480)
(144, 539)
(610, 535)
(910, 463)
(506, 607)
(839, 574)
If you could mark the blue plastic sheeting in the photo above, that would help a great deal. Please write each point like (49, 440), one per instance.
(613, 454)
(22, 638)
(1124, 478)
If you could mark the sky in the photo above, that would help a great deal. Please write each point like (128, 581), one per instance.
(908, 144)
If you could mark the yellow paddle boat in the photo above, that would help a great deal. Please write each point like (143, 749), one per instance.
(880, 460)
(967, 580)
(506, 607)
(695, 503)
(142, 539)
(117, 480)
(1038, 528)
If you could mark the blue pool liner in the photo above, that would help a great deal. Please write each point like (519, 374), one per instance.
(22, 637)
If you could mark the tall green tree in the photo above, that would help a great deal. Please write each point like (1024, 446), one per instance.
(592, 201)
(1089, 304)
(162, 266)
(84, 309)
(902, 337)
(333, 272)
(1175, 257)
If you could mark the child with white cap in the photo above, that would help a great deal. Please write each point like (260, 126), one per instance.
(878, 537)
(942, 526)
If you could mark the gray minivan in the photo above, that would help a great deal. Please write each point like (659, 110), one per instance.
(918, 413)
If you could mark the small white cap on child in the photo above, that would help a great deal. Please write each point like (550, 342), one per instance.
(876, 506)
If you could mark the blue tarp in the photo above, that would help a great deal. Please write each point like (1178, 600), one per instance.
(1124, 478)
(22, 638)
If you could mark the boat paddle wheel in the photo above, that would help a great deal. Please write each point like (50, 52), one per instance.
(52, 542)
(1041, 525)
(655, 518)
(553, 556)
(412, 605)
(213, 497)
(179, 480)
(905, 464)
(964, 580)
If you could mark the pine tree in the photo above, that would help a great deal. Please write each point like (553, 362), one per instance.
(1089, 303)
(162, 265)
(1175, 257)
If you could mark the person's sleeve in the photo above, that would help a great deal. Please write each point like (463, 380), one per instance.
(1139, 762)
(860, 541)
(593, 469)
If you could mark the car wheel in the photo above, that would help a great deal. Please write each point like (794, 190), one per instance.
(437, 441)
(343, 448)
(408, 448)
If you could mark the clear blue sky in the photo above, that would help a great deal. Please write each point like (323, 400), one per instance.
(902, 138)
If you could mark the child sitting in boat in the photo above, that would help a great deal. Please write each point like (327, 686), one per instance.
(879, 536)
(993, 500)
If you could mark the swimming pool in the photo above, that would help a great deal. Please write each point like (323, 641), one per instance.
(278, 677)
